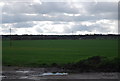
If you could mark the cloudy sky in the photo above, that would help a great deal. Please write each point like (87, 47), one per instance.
(63, 18)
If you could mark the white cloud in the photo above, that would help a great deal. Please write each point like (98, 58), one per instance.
(2, 4)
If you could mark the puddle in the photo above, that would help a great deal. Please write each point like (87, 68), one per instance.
(2, 76)
(54, 74)
(24, 77)
(24, 71)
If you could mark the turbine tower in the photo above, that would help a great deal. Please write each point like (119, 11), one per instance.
(10, 37)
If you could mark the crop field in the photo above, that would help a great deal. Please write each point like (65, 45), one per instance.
(41, 52)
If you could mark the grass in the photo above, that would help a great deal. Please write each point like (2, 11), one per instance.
(41, 52)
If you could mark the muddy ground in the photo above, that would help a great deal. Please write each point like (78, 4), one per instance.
(25, 73)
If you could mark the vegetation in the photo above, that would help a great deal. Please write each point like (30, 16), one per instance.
(39, 53)
(95, 64)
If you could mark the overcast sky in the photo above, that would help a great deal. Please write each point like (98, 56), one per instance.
(59, 18)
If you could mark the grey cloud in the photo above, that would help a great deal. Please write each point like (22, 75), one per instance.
(44, 8)
(79, 27)
(100, 10)
(76, 28)
(68, 30)
(108, 10)
(39, 30)
(15, 12)
(54, 7)
(24, 18)
(23, 25)
(17, 8)
(101, 7)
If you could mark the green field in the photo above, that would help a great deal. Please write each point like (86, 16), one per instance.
(37, 52)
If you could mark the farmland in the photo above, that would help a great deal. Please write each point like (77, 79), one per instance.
(47, 52)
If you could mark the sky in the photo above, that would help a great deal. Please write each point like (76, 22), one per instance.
(59, 18)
